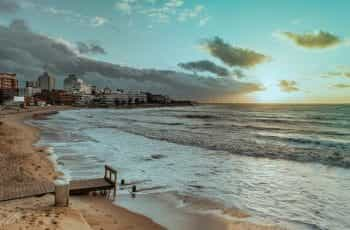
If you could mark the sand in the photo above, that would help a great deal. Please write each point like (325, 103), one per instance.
(101, 214)
(21, 162)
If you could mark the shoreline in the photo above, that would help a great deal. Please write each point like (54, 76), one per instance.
(32, 164)
(95, 212)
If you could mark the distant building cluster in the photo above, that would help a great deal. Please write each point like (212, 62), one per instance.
(75, 91)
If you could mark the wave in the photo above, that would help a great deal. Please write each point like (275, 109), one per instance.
(225, 130)
(332, 156)
(299, 122)
(199, 116)
(151, 122)
(295, 130)
(338, 144)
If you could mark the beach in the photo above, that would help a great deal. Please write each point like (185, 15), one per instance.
(23, 162)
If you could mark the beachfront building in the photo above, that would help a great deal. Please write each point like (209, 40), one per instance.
(136, 97)
(107, 91)
(62, 97)
(120, 97)
(84, 99)
(46, 82)
(113, 98)
(158, 98)
(8, 87)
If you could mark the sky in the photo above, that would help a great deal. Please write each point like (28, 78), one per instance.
(255, 51)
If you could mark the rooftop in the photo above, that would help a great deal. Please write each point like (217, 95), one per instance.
(12, 75)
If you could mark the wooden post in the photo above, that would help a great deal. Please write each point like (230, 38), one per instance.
(61, 193)
(111, 176)
(115, 185)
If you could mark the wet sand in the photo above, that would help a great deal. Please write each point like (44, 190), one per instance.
(186, 213)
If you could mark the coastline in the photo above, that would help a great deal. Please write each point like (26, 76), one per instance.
(95, 212)
(30, 163)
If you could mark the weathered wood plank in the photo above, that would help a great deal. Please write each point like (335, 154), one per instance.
(85, 186)
(24, 190)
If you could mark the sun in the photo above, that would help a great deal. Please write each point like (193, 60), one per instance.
(273, 94)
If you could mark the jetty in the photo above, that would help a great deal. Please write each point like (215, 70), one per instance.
(106, 184)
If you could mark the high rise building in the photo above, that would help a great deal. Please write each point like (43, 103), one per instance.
(46, 82)
(8, 81)
(32, 84)
(8, 87)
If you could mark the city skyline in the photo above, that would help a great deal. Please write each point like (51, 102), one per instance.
(241, 51)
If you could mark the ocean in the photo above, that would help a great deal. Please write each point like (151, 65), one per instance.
(288, 164)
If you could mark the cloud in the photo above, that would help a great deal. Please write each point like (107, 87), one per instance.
(204, 20)
(239, 74)
(98, 21)
(233, 56)
(125, 6)
(211, 67)
(61, 58)
(341, 71)
(342, 86)
(174, 3)
(19, 25)
(205, 66)
(8, 6)
(337, 74)
(66, 15)
(187, 14)
(288, 86)
(90, 48)
(163, 11)
(317, 40)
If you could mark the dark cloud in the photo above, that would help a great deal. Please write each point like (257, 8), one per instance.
(19, 25)
(211, 67)
(319, 40)
(233, 56)
(26, 53)
(288, 86)
(342, 86)
(238, 73)
(8, 6)
(90, 48)
(205, 66)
